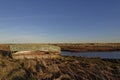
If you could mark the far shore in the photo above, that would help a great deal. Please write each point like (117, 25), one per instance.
(89, 47)
(76, 47)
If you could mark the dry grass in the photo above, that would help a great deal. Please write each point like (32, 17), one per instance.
(83, 47)
(4, 47)
(62, 68)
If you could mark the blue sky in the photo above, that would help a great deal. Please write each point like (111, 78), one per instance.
(51, 21)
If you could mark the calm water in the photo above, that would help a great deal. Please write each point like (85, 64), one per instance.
(111, 55)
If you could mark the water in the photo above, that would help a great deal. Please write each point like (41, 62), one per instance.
(110, 55)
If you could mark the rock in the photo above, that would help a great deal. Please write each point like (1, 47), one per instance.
(34, 51)
(28, 47)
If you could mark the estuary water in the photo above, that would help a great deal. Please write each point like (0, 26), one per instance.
(109, 55)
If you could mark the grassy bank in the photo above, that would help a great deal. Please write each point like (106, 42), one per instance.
(62, 68)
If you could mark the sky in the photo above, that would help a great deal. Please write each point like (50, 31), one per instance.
(59, 21)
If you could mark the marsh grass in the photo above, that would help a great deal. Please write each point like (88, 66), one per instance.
(62, 68)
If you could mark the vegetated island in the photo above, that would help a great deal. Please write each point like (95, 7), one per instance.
(55, 68)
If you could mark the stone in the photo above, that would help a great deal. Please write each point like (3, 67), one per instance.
(34, 51)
